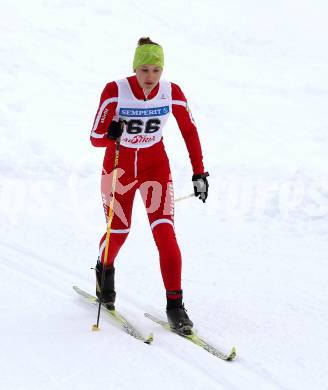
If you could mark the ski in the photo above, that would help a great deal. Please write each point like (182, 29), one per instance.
(122, 322)
(194, 338)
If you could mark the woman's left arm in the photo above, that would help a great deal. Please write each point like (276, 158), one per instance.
(188, 129)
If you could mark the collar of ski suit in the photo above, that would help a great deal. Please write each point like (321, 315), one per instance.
(138, 91)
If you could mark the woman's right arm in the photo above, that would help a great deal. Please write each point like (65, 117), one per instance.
(104, 116)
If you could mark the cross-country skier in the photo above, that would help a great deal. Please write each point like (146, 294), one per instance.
(134, 111)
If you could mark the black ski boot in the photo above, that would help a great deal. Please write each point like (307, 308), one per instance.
(108, 294)
(177, 316)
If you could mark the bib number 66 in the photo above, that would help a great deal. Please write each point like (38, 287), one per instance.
(136, 126)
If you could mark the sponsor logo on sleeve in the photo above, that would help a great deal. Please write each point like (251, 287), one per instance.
(190, 114)
(103, 117)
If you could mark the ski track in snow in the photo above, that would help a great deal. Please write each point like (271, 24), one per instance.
(50, 283)
(254, 257)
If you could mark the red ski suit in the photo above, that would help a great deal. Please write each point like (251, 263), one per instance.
(148, 170)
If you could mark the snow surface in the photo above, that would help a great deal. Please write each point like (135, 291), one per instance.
(255, 255)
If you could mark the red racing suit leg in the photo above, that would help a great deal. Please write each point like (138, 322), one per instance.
(156, 188)
(125, 189)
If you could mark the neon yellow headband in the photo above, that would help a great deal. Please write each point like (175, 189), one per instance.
(148, 54)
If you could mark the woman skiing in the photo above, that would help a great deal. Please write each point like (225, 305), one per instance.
(131, 115)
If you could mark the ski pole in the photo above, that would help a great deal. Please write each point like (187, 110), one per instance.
(109, 224)
(184, 197)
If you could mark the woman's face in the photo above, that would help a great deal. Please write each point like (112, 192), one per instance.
(148, 76)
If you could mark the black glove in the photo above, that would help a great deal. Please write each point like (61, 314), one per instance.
(115, 130)
(201, 185)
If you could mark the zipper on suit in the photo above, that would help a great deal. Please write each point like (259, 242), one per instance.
(136, 162)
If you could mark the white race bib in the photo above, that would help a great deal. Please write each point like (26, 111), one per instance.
(144, 120)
